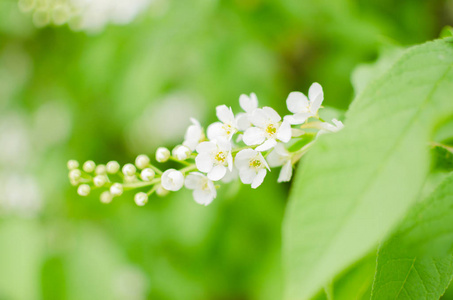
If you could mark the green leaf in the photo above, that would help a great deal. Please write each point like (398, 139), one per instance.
(416, 261)
(355, 185)
(442, 156)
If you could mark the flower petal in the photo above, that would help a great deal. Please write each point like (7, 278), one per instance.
(206, 147)
(203, 197)
(297, 102)
(272, 114)
(284, 131)
(194, 181)
(268, 144)
(204, 162)
(253, 136)
(259, 118)
(242, 159)
(243, 121)
(248, 103)
(225, 114)
(217, 173)
(315, 91)
(286, 172)
(215, 130)
(247, 175)
(259, 178)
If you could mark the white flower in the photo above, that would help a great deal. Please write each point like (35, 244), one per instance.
(303, 107)
(89, 166)
(252, 167)
(181, 152)
(194, 135)
(160, 191)
(327, 127)
(281, 157)
(147, 174)
(74, 175)
(268, 129)
(214, 157)
(84, 190)
(203, 189)
(142, 161)
(226, 128)
(113, 167)
(129, 170)
(141, 199)
(162, 154)
(230, 175)
(249, 104)
(172, 180)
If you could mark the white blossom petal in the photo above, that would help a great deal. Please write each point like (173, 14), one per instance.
(206, 147)
(217, 172)
(247, 175)
(204, 162)
(194, 181)
(215, 130)
(203, 197)
(268, 144)
(243, 121)
(272, 114)
(253, 136)
(248, 103)
(259, 118)
(297, 102)
(284, 131)
(243, 157)
(225, 114)
(172, 180)
(286, 172)
(259, 178)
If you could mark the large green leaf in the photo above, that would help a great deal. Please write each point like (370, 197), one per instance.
(415, 263)
(354, 186)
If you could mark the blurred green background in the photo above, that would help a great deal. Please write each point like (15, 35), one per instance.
(127, 90)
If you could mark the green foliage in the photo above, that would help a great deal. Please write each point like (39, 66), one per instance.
(416, 261)
(353, 188)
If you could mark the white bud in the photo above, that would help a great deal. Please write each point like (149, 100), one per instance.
(106, 197)
(161, 192)
(116, 189)
(162, 154)
(89, 166)
(181, 152)
(129, 169)
(172, 180)
(113, 167)
(130, 179)
(142, 161)
(60, 14)
(147, 174)
(84, 190)
(75, 174)
(99, 180)
(100, 170)
(73, 164)
(141, 199)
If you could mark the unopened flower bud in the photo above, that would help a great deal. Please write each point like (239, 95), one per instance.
(161, 192)
(147, 174)
(84, 190)
(172, 180)
(99, 180)
(100, 170)
(75, 174)
(162, 154)
(113, 167)
(181, 152)
(116, 189)
(73, 164)
(106, 197)
(141, 199)
(89, 166)
(142, 161)
(130, 179)
(129, 169)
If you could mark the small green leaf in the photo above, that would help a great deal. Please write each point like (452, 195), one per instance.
(416, 261)
(356, 185)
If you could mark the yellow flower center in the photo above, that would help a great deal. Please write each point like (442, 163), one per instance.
(255, 163)
(271, 129)
(220, 157)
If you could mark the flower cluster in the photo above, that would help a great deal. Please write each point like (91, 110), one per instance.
(88, 15)
(246, 145)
